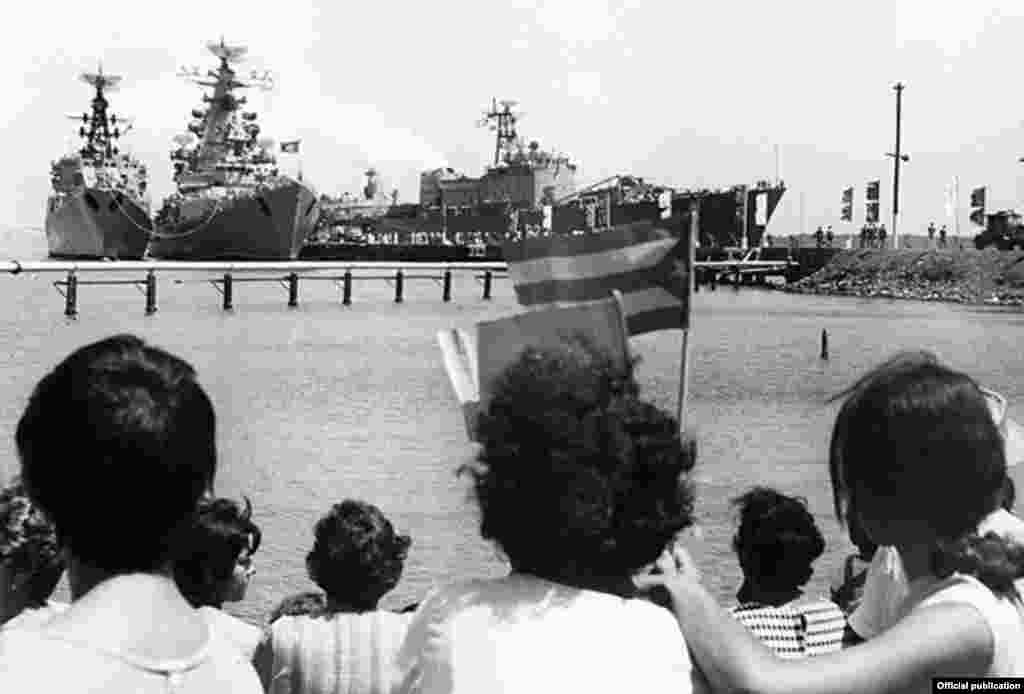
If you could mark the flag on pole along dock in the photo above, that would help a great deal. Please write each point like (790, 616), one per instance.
(951, 198)
(290, 147)
(648, 264)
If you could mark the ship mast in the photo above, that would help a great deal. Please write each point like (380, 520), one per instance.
(218, 132)
(99, 128)
(501, 120)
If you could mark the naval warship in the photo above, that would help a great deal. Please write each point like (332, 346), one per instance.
(98, 207)
(231, 202)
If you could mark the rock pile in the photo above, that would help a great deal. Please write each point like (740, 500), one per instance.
(965, 277)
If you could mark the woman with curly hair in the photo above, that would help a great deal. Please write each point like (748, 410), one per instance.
(214, 565)
(357, 558)
(777, 543)
(30, 560)
(117, 445)
(580, 483)
(917, 455)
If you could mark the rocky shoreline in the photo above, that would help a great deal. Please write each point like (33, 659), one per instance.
(967, 276)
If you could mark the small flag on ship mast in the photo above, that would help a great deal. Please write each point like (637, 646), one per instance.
(291, 147)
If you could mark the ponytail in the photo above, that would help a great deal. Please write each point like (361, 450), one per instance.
(992, 559)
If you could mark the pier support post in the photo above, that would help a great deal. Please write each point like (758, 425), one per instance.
(399, 285)
(71, 295)
(346, 291)
(824, 344)
(487, 285)
(293, 290)
(150, 293)
(447, 292)
(228, 292)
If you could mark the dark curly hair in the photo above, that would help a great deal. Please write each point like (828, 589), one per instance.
(777, 540)
(911, 424)
(118, 430)
(577, 477)
(357, 556)
(28, 544)
(220, 532)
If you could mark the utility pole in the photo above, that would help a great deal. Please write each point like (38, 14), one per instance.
(897, 158)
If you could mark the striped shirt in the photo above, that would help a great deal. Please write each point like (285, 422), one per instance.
(797, 629)
(343, 652)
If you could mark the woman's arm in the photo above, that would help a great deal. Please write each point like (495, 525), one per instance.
(944, 640)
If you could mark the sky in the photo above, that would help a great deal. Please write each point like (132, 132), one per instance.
(681, 93)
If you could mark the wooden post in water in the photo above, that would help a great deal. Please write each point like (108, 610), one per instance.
(346, 292)
(150, 293)
(447, 292)
(824, 344)
(71, 295)
(228, 292)
(487, 285)
(293, 290)
(399, 285)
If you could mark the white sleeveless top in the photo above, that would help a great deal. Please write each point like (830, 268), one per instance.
(1005, 617)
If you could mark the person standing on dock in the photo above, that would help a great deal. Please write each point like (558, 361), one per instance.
(819, 237)
(881, 237)
(942, 236)
(829, 236)
(931, 234)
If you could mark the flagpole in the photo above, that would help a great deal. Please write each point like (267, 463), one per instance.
(684, 358)
(956, 205)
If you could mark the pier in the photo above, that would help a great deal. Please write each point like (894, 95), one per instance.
(755, 266)
(224, 276)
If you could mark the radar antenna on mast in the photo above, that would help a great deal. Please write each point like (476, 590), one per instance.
(229, 54)
(100, 81)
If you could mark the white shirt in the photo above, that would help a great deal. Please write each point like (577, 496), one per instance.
(32, 661)
(886, 587)
(522, 634)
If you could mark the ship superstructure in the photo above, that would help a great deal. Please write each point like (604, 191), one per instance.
(99, 206)
(231, 201)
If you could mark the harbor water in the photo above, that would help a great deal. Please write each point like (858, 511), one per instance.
(323, 402)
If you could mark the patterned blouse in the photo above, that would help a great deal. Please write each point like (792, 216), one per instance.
(797, 629)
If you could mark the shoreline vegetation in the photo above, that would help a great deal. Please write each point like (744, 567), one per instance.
(968, 276)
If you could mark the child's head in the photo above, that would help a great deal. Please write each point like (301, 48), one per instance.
(357, 556)
(916, 454)
(30, 560)
(216, 558)
(777, 540)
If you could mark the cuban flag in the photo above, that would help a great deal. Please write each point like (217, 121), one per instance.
(648, 264)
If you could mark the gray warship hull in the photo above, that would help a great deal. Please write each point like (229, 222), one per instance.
(95, 223)
(262, 224)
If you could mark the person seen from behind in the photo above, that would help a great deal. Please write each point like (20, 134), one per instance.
(580, 483)
(214, 566)
(885, 586)
(136, 452)
(777, 543)
(356, 559)
(915, 453)
(30, 559)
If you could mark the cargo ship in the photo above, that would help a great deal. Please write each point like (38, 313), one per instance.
(530, 191)
(98, 207)
(231, 202)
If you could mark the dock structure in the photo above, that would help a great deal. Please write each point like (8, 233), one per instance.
(225, 275)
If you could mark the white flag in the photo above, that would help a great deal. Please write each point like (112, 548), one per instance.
(951, 198)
